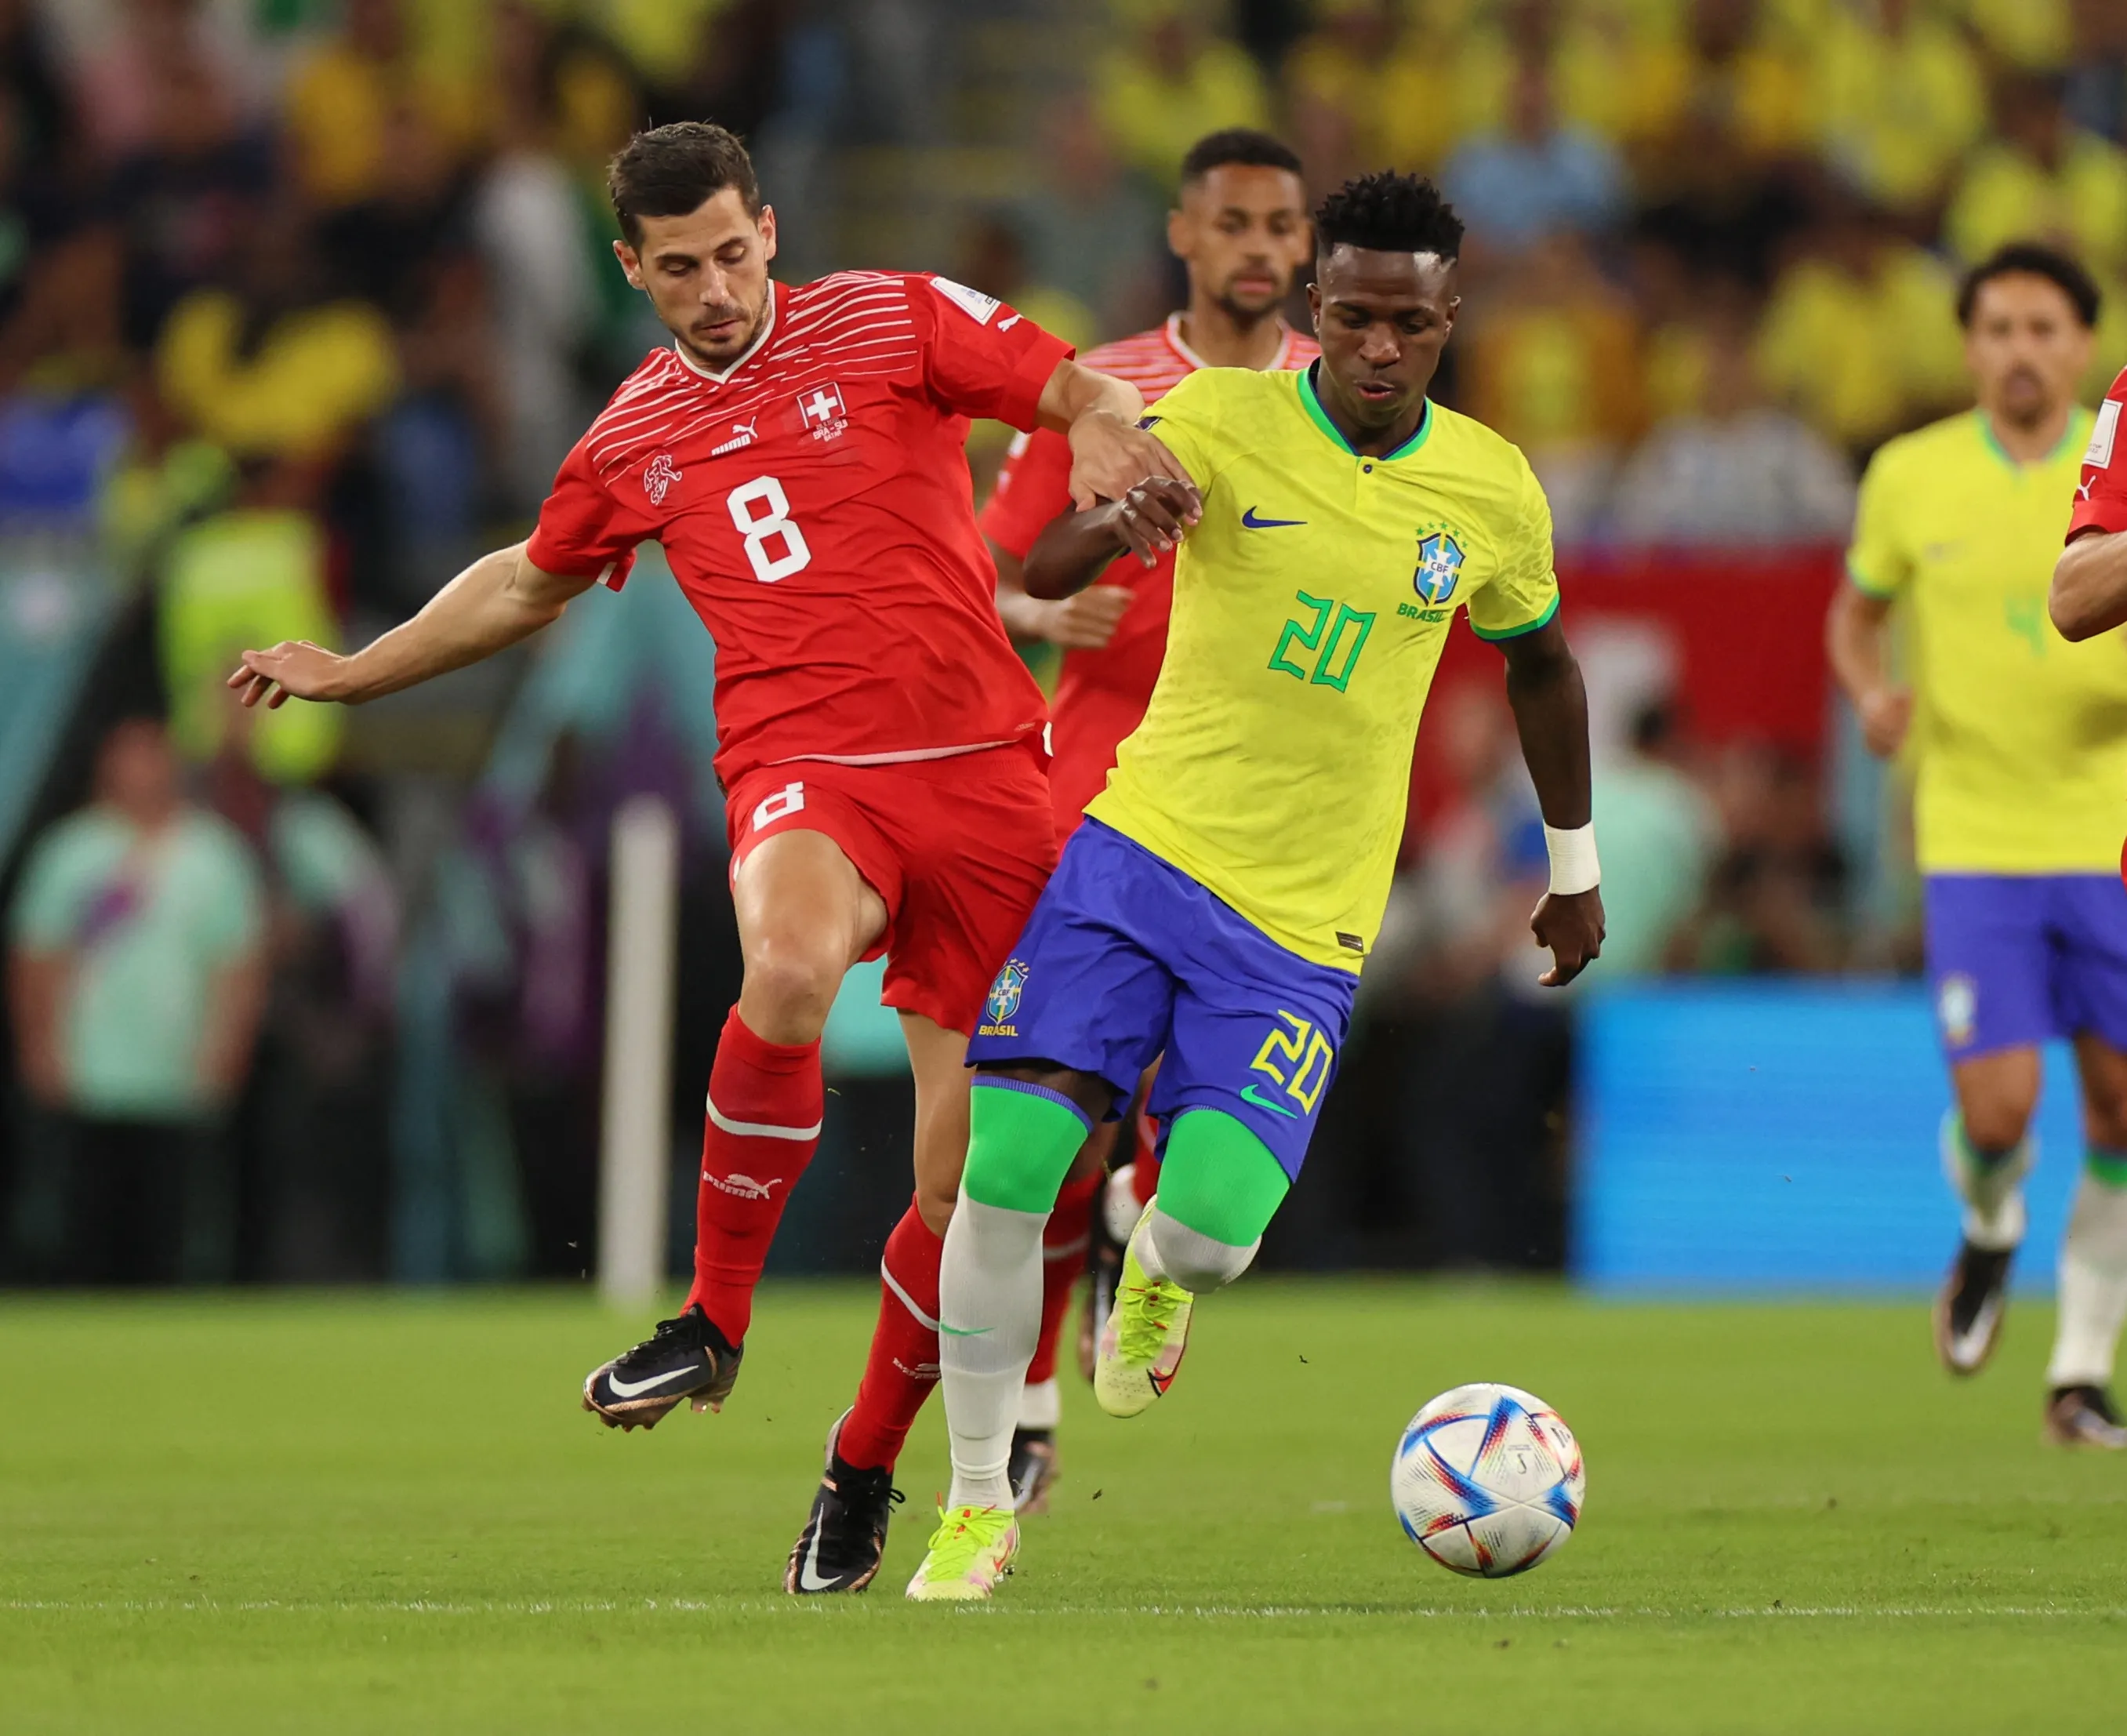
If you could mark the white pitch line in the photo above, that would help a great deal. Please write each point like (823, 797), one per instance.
(1210, 1612)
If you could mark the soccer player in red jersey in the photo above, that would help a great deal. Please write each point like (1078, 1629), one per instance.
(798, 453)
(1241, 229)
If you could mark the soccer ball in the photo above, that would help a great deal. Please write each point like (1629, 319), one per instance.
(1487, 1480)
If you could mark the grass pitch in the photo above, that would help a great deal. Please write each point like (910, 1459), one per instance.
(339, 1513)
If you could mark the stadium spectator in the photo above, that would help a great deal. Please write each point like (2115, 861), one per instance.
(2097, 88)
(33, 85)
(1735, 471)
(1858, 339)
(1660, 834)
(340, 103)
(1343, 92)
(312, 1203)
(1554, 363)
(2042, 177)
(123, 80)
(1535, 175)
(134, 984)
(280, 365)
(1901, 96)
(1170, 83)
(1089, 229)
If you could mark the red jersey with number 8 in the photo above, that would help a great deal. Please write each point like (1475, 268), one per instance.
(814, 503)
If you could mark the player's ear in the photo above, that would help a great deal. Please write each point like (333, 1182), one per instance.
(1315, 308)
(1177, 233)
(631, 265)
(766, 223)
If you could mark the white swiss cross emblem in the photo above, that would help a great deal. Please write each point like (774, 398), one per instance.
(658, 477)
(820, 409)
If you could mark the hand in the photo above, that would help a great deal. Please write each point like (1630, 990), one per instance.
(1087, 621)
(294, 668)
(1570, 924)
(1151, 516)
(1109, 454)
(1886, 713)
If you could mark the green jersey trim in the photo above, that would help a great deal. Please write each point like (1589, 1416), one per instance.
(1515, 633)
(1320, 418)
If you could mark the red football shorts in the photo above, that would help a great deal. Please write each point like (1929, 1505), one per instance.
(959, 849)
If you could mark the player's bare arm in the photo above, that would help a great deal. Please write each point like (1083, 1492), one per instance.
(1150, 519)
(1085, 621)
(1550, 715)
(1855, 639)
(2089, 591)
(498, 601)
(1099, 414)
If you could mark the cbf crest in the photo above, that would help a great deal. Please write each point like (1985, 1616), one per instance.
(1002, 1006)
(1439, 567)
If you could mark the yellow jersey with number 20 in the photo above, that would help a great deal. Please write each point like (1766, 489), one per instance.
(1311, 606)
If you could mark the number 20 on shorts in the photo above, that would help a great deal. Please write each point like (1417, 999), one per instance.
(761, 511)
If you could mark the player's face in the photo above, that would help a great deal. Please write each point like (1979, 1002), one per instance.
(707, 274)
(1382, 319)
(2025, 347)
(1242, 231)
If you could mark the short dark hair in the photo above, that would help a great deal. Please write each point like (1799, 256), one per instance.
(668, 171)
(1386, 213)
(2035, 259)
(1238, 145)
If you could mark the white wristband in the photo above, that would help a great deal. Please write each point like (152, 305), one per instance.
(1573, 865)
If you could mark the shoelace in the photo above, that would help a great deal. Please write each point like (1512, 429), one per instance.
(1149, 1311)
(962, 1535)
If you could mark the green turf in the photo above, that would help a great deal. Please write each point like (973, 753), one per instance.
(358, 1514)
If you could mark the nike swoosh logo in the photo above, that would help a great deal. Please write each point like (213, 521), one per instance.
(622, 1389)
(963, 1331)
(808, 1570)
(1249, 521)
(1248, 1095)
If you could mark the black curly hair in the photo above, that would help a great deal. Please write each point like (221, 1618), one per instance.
(1386, 213)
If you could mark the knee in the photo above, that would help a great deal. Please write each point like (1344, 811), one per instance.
(1995, 1120)
(2106, 1114)
(789, 985)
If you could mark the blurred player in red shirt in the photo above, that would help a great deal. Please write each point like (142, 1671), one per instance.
(798, 452)
(1241, 229)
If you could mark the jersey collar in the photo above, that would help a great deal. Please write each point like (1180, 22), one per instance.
(745, 355)
(1320, 418)
(2076, 433)
(1278, 365)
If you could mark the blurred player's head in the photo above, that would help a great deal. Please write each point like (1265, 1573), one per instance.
(2030, 314)
(1384, 294)
(1240, 225)
(696, 238)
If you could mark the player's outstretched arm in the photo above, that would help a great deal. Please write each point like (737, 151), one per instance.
(1099, 414)
(1853, 640)
(1551, 716)
(1086, 622)
(1074, 549)
(499, 599)
(2089, 592)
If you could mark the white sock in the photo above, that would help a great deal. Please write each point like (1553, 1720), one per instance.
(2093, 1286)
(1168, 1247)
(1040, 1404)
(989, 1306)
(1991, 1189)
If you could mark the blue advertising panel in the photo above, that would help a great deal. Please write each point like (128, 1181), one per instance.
(1769, 1136)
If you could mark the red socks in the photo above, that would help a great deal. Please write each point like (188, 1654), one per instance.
(902, 1367)
(766, 1101)
(1063, 1258)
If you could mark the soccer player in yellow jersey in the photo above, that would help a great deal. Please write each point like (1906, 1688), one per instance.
(1221, 896)
(2018, 740)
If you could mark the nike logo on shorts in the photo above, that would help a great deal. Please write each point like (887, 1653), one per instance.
(1248, 1095)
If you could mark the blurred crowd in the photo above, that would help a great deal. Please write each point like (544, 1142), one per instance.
(302, 301)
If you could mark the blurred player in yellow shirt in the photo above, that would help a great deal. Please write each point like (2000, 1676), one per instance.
(2019, 745)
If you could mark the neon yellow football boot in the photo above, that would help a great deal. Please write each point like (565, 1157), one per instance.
(970, 1552)
(1142, 1345)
